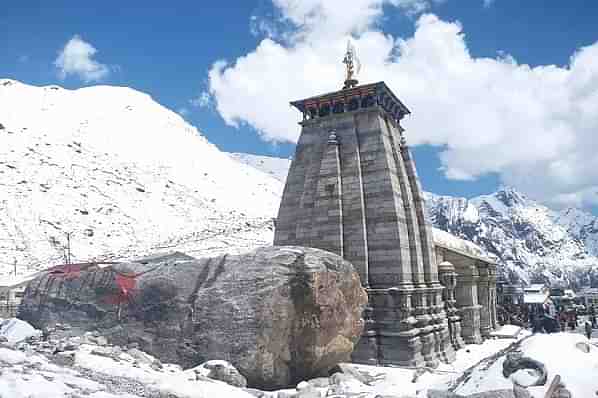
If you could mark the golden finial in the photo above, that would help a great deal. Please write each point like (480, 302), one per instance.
(353, 66)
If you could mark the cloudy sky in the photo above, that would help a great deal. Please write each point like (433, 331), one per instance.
(501, 92)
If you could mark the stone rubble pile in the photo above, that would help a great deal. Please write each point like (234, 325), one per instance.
(63, 364)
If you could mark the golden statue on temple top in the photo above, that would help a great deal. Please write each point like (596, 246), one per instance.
(353, 66)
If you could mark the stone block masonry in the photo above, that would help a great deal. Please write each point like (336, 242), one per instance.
(352, 189)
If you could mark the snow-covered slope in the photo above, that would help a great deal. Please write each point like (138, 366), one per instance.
(276, 167)
(122, 174)
(529, 239)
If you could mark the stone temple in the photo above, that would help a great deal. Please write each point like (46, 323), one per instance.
(352, 189)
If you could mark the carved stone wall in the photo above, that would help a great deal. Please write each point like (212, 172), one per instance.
(474, 293)
(448, 278)
(352, 189)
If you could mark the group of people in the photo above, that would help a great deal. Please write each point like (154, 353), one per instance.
(546, 318)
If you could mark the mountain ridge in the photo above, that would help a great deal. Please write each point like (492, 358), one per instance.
(96, 163)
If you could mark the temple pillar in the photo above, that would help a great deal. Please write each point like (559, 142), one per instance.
(492, 277)
(448, 278)
(466, 295)
(484, 297)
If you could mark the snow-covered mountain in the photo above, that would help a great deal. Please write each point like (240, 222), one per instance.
(127, 177)
(123, 175)
(530, 240)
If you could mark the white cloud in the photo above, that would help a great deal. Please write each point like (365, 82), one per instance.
(488, 3)
(534, 126)
(76, 58)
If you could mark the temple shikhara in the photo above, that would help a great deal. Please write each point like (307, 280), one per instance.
(353, 189)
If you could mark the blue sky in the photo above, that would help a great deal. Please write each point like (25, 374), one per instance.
(168, 50)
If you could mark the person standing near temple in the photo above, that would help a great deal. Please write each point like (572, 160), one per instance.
(588, 329)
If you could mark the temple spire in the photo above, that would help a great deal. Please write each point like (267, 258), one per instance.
(353, 66)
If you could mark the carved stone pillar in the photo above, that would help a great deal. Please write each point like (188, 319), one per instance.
(366, 350)
(466, 294)
(484, 297)
(448, 278)
(492, 276)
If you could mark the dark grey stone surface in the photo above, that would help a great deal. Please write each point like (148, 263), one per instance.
(352, 189)
(278, 314)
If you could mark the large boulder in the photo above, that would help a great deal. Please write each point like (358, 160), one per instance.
(278, 314)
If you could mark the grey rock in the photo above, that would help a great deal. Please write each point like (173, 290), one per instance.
(515, 361)
(140, 356)
(356, 374)
(485, 394)
(493, 394)
(521, 392)
(256, 393)
(286, 394)
(224, 371)
(278, 314)
(64, 358)
(320, 382)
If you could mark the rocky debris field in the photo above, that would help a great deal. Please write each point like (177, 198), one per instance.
(49, 365)
(55, 363)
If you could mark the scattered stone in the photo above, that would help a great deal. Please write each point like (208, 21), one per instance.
(306, 390)
(256, 393)
(347, 368)
(515, 361)
(583, 346)
(223, 371)
(521, 392)
(64, 358)
(320, 382)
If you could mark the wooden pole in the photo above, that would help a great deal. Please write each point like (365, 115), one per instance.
(68, 247)
(553, 387)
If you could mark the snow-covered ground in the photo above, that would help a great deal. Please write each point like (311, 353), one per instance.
(87, 365)
(276, 167)
(565, 354)
(123, 175)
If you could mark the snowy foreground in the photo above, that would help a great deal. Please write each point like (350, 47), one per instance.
(87, 366)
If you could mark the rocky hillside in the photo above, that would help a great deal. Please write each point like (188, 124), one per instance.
(122, 175)
(530, 240)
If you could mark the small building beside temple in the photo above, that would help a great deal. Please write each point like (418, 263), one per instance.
(508, 294)
(475, 288)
